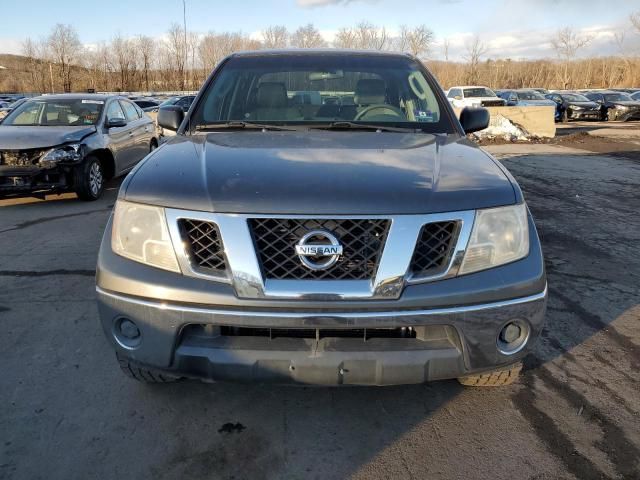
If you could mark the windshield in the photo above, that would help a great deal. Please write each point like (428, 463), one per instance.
(618, 97)
(56, 112)
(574, 97)
(529, 95)
(322, 89)
(479, 92)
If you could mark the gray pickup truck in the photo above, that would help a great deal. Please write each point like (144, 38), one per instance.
(321, 218)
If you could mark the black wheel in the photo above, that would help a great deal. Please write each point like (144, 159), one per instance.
(494, 378)
(144, 375)
(564, 116)
(604, 115)
(89, 179)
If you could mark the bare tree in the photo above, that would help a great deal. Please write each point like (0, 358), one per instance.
(417, 40)
(35, 52)
(175, 54)
(214, 47)
(146, 49)
(275, 36)
(345, 38)
(65, 46)
(307, 36)
(475, 50)
(635, 21)
(566, 43)
(125, 59)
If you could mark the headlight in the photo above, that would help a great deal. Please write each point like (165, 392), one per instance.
(576, 107)
(140, 233)
(67, 153)
(499, 236)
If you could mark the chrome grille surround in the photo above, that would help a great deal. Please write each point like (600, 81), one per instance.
(393, 271)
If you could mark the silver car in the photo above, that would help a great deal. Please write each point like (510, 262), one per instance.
(71, 142)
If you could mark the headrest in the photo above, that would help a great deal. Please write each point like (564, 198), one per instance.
(370, 91)
(271, 94)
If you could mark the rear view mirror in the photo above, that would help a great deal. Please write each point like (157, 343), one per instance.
(474, 119)
(116, 123)
(170, 117)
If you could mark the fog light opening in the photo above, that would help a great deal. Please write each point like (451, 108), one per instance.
(513, 337)
(126, 333)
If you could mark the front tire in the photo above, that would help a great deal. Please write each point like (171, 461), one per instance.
(494, 378)
(143, 375)
(89, 179)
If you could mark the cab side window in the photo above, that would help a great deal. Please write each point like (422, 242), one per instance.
(129, 110)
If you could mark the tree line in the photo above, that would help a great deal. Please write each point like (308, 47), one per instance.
(181, 60)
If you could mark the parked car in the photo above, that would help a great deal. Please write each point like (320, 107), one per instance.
(183, 102)
(71, 142)
(524, 97)
(615, 105)
(573, 106)
(626, 90)
(12, 106)
(542, 91)
(147, 105)
(461, 97)
(4, 104)
(366, 244)
(636, 96)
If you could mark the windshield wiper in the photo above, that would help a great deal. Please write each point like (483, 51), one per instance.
(345, 125)
(240, 125)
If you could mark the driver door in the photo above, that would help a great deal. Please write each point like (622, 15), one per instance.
(120, 138)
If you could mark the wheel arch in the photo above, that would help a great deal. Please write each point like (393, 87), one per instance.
(107, 160)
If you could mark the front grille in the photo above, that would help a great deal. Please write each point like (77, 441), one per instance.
(204, 245)
(319, 333)
(362, 242)
(20, 158)
(433, 249)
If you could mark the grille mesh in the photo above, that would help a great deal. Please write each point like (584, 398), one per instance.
(204, 245)
(362, 242)
(433, 249)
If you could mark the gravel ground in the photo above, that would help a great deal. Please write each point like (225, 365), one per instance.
(67, 412)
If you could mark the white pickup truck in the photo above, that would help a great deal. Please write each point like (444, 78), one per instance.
(474, 96)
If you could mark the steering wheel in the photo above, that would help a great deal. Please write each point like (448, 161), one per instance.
(383, 107)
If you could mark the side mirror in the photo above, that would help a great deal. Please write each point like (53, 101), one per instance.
(474, 119)
(170, 117)
(116, 122)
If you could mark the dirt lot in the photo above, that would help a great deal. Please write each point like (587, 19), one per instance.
(67, 412)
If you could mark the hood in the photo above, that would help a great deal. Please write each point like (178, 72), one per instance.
(584, 104)
(626, 103)
(537, 103)
(25, 137)
(320, 172)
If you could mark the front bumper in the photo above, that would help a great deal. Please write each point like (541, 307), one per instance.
(32, 178)
(451, 342)
(184, 325)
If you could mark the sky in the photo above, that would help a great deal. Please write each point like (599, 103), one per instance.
(510, 28)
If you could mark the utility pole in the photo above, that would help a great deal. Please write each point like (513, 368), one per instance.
(51, 76)
(186, 53)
